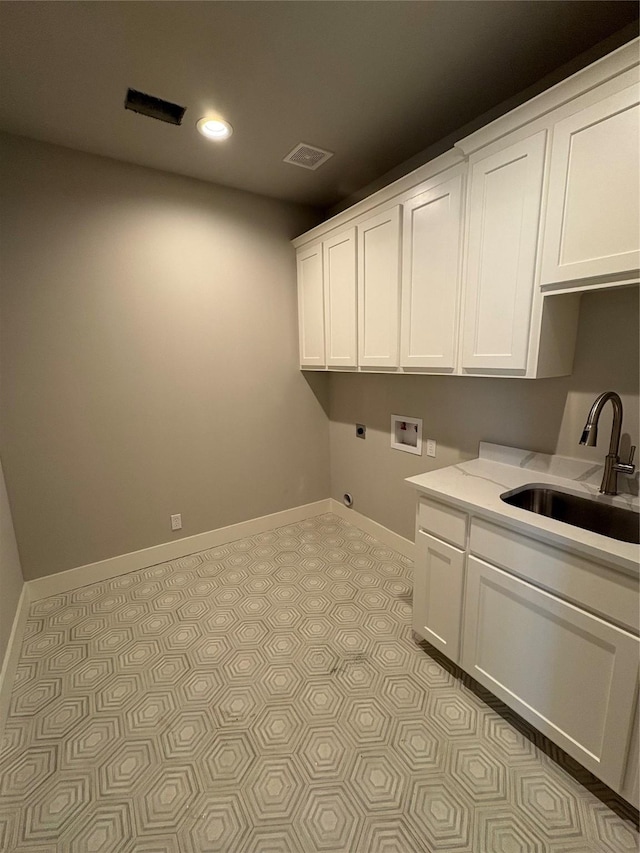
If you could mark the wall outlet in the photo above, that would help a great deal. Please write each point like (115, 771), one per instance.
(176, 521)
(361, 431)
(431, 447)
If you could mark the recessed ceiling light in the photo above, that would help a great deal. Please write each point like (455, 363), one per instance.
(214, 128)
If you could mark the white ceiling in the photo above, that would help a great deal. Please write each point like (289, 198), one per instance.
(375, 82)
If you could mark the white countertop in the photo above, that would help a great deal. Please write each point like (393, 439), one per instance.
(476, 486)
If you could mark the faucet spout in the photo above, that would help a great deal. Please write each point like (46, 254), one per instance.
(612, 464)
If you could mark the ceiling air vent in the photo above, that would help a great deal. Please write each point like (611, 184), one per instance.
(307, 156)
(147, 105)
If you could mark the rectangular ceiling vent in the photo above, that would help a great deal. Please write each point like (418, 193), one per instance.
(307, 156)
(147, 105)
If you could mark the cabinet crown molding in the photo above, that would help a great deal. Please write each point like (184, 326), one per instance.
(383, 197)
(610, 66)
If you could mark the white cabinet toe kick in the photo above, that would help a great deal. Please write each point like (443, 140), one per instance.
(551, 633)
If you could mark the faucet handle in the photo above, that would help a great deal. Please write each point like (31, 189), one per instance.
(627, 467)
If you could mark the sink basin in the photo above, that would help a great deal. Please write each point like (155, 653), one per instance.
(613, 521)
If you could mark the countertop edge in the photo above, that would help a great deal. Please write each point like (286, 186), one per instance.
(616, 562)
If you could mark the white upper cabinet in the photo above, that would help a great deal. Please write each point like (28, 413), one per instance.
(593, 222)
(432, 225)
(340, 297)
(311, 306)
(473, 263)
(379, 289)
(505, 194)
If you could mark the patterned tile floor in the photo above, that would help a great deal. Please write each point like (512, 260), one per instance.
(269, 696)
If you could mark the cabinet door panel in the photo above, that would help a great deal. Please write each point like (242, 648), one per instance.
(379, 289)
(430, 275)
(570, 674)
(593, 219)
(503, 224)
(340, 299)
(437, 593)
(311, 307)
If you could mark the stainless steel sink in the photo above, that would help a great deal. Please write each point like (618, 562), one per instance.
(613, 521)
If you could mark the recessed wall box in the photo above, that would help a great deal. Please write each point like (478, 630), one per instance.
(406, 434)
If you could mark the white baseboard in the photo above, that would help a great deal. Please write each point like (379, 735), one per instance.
(12, 653)
(378, 531)
(125, 563)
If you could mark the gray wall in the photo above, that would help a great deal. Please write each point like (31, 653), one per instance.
(546, 415)
(148, 357)
(148, 365)
(11, 582)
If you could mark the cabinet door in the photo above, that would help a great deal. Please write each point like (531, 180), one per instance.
(593, 221)
(432, 223)
(379, 289)
(570, 674)
(311, 307)
(340, 299)
(503, 224)
(437, 593)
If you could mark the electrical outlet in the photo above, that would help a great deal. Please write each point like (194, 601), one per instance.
(431, 447)
(176, 521)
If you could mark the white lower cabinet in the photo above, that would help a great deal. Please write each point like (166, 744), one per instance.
(564, 670)
(550, 632)
(437, 593)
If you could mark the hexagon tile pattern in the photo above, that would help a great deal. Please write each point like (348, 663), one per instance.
(268, 696)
